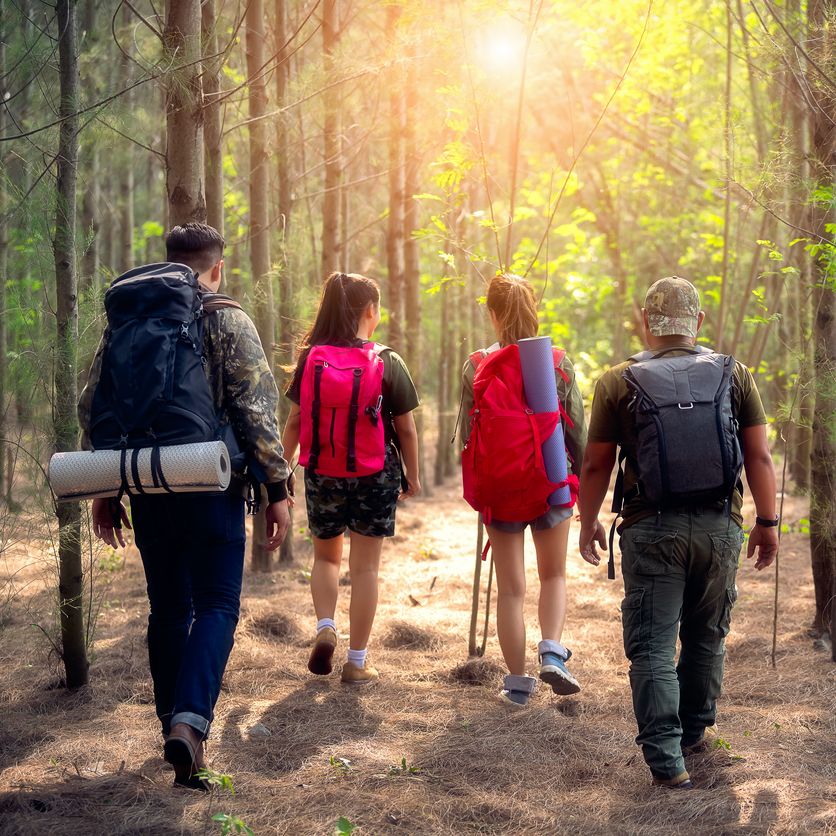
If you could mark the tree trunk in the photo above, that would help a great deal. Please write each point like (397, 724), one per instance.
(4, 245)
(213, 135)
(822, 40)
(395, 227)
(285, 204)
(444, 298)
(725, 280)
(70, 582)
(126, 166)
(411, 254)
(90, 222)
(184, 113)
(261, 559)
(331, 140)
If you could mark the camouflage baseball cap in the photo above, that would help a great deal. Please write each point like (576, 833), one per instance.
(673, 307)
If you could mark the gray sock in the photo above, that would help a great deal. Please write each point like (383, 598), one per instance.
(524, 684)
(551, 646)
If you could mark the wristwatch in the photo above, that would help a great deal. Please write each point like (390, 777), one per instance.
(766, 523)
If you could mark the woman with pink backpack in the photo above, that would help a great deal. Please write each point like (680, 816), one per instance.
(352, 418)
(499, 427)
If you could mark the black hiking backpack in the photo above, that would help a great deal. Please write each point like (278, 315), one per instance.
(153, 390)
(688, 450)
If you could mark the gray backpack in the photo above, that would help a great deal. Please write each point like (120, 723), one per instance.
(688, 449)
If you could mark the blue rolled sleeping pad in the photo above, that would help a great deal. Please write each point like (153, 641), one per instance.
(537, 361)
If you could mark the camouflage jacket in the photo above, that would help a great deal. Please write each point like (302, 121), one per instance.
(243, 388)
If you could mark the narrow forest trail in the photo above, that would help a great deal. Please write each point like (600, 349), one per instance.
(89, 763)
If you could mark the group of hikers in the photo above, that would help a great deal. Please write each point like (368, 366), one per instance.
(678, 489)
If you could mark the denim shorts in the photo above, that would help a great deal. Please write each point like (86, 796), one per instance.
(554, 516)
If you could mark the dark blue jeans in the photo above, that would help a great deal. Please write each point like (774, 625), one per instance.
(192, 548)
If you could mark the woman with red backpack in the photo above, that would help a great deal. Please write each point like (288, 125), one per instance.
(352, 418)
(513, 312)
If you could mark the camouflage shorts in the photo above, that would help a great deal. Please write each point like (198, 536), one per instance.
(365, 504)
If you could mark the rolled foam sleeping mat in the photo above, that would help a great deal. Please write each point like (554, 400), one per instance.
(537, 361)
(187, 468)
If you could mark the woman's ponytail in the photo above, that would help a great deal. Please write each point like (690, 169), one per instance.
(511, 298)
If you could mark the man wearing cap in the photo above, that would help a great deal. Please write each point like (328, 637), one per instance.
(679, 564)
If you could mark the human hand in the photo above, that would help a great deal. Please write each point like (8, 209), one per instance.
(277, 518)
(413, 488)
(106, 513)
(765, 540)
(590, 535)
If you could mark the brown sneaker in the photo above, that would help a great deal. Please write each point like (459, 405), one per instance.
(355, 675)
(323, 651)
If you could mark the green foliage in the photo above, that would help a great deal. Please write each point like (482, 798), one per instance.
(216, 780)
(340, 765)
(344, 826)
(232, 824)
(403, 768)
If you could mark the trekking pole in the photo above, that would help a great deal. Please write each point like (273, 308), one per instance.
(477, 577)
(487, 608)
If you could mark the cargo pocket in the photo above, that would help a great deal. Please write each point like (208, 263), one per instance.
(725, 615)
(646, 553)
(632, 621)
(725, 553)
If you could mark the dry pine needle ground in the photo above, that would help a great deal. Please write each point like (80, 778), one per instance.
(428, 750)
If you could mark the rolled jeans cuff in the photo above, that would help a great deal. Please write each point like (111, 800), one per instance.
(198, 723)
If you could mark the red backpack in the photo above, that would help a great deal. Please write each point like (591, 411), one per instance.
(342, 433)
(503, 471)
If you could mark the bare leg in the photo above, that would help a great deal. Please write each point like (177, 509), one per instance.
(325, 575)
(363, 564)
(551, 547)
(509, 560)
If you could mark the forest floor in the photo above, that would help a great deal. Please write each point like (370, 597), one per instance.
(429, 749)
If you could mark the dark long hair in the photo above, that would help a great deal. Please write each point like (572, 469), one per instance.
(344, 298)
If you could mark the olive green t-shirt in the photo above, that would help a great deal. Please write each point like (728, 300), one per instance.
(612, 421)
(570, 399)
(399, 393)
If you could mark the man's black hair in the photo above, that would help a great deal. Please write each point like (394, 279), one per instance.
(196, 245)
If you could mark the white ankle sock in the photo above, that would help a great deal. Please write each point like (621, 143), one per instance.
(326, 622)
(358, 657)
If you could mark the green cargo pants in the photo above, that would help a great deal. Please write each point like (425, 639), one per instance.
(679, 571)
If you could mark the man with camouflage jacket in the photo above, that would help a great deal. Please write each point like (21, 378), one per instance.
(192, 545)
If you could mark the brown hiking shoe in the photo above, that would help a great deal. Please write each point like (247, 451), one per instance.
(184, 749)
(678, 782)
(355, 675)
(323, 651)
(706, 742)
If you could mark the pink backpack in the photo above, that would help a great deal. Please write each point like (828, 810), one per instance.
(342, 432)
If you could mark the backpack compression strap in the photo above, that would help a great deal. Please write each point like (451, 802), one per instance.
(313, 458)
(353, 410)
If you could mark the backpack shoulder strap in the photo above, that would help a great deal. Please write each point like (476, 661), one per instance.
(215, 301)
(559, 354)
(477, 357)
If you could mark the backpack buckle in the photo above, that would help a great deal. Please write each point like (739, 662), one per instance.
(184, 332)
(684, 406)
(374, 411)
